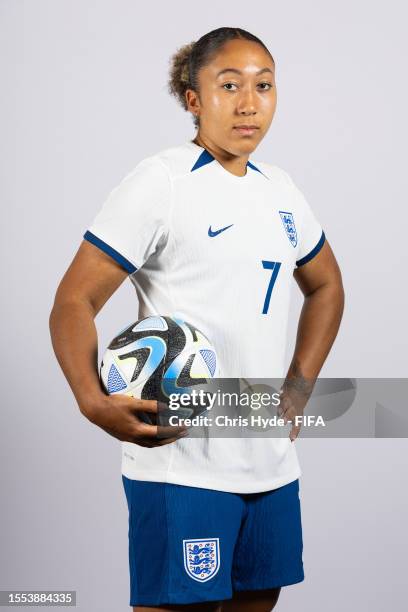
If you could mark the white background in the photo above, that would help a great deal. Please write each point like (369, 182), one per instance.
(84, 98)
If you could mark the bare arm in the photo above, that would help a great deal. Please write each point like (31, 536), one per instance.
(87, 285)
(321, 284)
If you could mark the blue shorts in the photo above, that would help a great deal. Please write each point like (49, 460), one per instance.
(189, 545)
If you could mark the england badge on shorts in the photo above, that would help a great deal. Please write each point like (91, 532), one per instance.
(201, 558)
(289, 225)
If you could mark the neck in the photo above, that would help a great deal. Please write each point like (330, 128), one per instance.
(236, 164)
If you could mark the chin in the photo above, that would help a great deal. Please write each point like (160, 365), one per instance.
(245, 146)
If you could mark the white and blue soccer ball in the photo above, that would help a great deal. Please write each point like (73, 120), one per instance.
(158, 356)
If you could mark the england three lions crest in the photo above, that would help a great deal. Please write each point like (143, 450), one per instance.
(201, 558)
(289, 225)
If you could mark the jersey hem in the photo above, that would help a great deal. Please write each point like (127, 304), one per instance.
(215, 485)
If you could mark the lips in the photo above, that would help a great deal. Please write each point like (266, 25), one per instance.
(246, 130)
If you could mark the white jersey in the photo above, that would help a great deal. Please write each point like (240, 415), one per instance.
(217, 250)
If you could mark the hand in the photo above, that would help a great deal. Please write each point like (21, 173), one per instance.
(292, 404)
(119, 415)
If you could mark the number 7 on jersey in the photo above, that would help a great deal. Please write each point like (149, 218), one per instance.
(274, 267)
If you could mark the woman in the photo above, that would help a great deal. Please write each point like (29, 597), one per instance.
(204, 231)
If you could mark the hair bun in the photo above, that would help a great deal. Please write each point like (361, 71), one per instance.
(179, 80)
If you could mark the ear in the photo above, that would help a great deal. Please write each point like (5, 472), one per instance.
(193, 102)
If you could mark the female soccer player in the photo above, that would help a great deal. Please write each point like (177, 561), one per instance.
(203, 230)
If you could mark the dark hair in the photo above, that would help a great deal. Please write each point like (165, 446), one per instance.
(186, 63)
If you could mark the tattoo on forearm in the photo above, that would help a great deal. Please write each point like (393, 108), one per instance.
(297, 381)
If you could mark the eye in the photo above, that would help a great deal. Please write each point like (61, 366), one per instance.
(268, 86)
(229, 86)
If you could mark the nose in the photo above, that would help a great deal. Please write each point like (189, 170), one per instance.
(247, 102)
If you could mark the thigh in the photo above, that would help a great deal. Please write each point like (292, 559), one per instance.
(205, 607)
(270, 546)
(181, 543)
(252, 601)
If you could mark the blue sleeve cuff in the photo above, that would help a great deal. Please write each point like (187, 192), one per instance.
(313, 252)
(125, 263)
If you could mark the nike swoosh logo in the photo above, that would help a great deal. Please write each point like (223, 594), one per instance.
(212, 233)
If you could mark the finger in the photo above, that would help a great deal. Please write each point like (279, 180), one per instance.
(143, 429)
(145, 405)
(170, 431)
(168, 440)
(141, 442)
(287, 415)
(294, 432)
(154, 443)
(283, 407)
(162, 406)
(153, 431)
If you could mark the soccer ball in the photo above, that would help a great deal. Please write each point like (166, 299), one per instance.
(158, 356)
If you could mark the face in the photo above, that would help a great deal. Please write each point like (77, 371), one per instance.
(237, 97)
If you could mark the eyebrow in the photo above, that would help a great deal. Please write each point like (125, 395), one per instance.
(239, 71)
